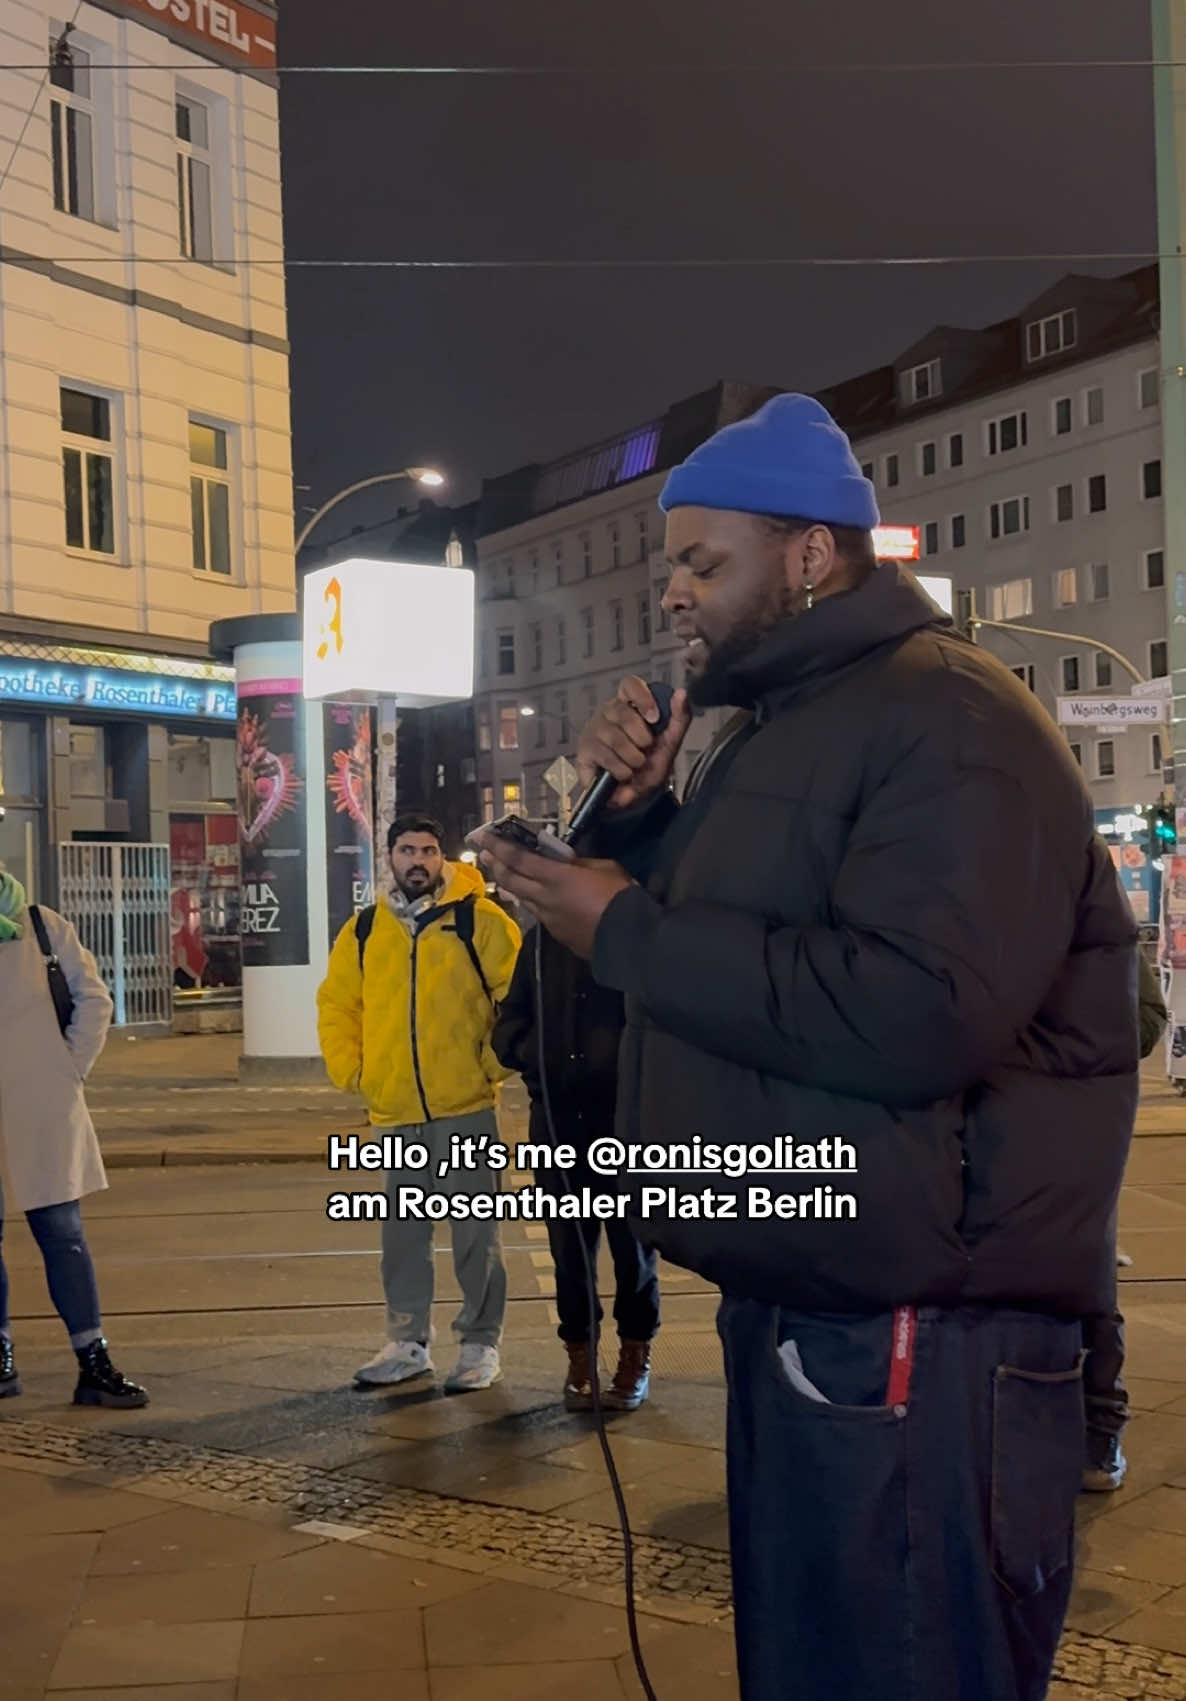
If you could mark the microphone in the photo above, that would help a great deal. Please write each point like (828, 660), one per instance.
(591, 801)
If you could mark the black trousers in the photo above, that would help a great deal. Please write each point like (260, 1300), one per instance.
(636, 1273)
(1105, 1396)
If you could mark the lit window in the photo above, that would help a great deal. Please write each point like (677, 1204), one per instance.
(1050, 336)
(487, 804)
(440, 776)
(88, 471)
(195, 212)
(1011, 601)
(210, 498)
(508, 727)
(72, 129)
(512, 797)
(1066, 588)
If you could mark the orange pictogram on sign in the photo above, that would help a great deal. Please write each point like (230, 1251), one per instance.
(333, 596)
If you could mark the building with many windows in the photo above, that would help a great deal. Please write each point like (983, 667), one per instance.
(145, 488)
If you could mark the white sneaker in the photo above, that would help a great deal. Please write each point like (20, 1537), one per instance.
(477, 1367)
(1123, 1259)
(398, 1361)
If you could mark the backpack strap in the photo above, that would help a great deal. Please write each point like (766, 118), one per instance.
(464, 920)
(364, 921)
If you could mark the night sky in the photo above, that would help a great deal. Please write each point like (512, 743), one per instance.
(479, 371)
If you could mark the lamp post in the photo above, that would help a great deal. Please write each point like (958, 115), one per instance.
(386, 749)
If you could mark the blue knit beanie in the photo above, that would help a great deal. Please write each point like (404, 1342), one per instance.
(788, 459)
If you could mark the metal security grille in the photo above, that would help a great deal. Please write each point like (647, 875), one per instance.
(118, 898)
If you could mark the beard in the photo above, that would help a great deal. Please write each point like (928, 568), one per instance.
(717, 684)
(415, 883)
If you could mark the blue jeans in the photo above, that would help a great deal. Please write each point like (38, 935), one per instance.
(57, 1229)
(913, 1551)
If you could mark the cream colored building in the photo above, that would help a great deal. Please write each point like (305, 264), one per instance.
(145, 463)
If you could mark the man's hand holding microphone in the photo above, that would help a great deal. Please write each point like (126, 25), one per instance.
(628, 740)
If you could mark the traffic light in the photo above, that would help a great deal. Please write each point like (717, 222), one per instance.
(1163, 833)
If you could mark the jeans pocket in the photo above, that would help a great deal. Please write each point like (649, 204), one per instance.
(1037, 1466)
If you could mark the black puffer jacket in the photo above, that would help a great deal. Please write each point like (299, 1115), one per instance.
(885, 916)
(582, 1026)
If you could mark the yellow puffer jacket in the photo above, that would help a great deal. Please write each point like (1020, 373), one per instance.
(412, 1033)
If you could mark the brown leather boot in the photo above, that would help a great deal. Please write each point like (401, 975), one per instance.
(632, 1379)
(578, 1384)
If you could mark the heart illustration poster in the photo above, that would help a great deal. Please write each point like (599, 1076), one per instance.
(274, 917)
(349, 812)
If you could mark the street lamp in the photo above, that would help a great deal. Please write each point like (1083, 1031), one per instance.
(427, 476)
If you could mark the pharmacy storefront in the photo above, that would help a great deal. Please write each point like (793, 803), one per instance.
(118, 805)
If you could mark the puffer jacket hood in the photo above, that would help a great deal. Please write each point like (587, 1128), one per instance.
(410, 1029)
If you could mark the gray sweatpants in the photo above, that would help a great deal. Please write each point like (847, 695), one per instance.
(407, 1262)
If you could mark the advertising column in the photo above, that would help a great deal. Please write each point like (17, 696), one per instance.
(282, 796)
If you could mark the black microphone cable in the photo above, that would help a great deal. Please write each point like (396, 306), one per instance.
(594, 1377)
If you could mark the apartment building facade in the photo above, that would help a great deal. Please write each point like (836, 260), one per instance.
(145, 465)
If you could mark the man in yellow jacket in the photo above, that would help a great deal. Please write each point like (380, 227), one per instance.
(405, 1017)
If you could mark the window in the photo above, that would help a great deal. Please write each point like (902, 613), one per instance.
(508, 727)
(1011, 601)
(644, 538)
(72, 129)
(535, 643)
(586, 632)
(88, 471)
(891, 472)
(508, 576)
(955, 449)
(922, 383)
(959, 531)
(1025, 672)
(663, 673)
(1007, 433)
(506, 653)
(210, 498)
(618, 623)
(562, 715)
(487, 804)
(1093, 406)
(469, 771)
(483, 729)
(195, 210)
(1105, 759)
(867, 471)
(1066, 588)
(1158, 659)
(541, 727)
(1061, 411)
(1154, 569)
(927, 460)
(558, 560)
(1007, 519)
(1070, 673)
(1148, 387)
(440, 776)
(561, 643)
(586, 556)
(1097, 494)
(1103, 672)
(1099, 579)
(1155, 755)
(1064, 502)
(1151, 480)
(615, 544)
(532, 572)
(512, 797)
(644, 617)
(1077, 752)
(664, 617)
(1050, 336)
(930, 535)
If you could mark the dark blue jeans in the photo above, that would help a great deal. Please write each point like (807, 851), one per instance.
(57, 1229)
(920, 1551)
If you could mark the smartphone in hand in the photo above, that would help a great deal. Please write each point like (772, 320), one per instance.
(540, 839)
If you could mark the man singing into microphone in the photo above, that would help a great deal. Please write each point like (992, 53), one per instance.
(880, 915)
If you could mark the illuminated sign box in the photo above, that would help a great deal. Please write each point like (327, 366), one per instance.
(896, 543)
(389, 629)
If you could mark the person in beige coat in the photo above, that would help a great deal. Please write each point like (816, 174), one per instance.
(50, 1150)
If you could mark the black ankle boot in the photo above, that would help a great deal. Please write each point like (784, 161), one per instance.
(100, 1383)
(10, 1382)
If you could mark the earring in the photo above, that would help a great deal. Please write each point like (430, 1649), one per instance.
(810, 590)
